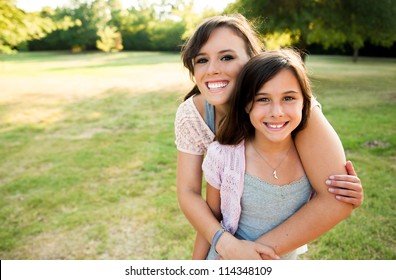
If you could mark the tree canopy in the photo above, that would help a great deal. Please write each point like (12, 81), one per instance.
(17, 26)
(330, 23)
(97, 24)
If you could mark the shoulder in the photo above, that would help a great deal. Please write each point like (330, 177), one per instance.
(192, 133)
(185, 108)
(192, 106)
(188, 112)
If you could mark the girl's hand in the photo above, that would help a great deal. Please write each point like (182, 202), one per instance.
(235, 249)
(347, 188)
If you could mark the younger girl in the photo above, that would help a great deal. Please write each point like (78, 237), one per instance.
(255, 177)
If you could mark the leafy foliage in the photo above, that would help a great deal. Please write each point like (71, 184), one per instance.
(330, 23)
(17, 27)
(110, 40)
(105, 25)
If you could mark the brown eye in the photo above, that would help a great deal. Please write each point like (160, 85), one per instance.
(201, 60)
(263, 99)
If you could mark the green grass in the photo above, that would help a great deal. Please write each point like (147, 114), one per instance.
(359, 99)
(87, 155)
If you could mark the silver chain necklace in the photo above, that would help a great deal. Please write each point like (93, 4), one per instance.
(274, 169)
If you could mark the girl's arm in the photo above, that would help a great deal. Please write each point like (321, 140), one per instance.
(322, 154)
(248, 249)
(201, 248)
(197, 211)
(189, 193)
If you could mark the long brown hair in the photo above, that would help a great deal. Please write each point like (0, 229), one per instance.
(236, 22)
(236, 125)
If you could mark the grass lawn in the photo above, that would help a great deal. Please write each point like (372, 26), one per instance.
(87, 155)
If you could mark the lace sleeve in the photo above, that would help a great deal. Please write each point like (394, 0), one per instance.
(192, 134)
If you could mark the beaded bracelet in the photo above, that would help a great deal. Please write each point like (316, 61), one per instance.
(216, 238)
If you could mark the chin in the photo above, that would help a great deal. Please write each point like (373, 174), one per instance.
(217, 100)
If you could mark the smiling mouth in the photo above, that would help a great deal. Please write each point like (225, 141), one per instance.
(276, 126)
(216, 85)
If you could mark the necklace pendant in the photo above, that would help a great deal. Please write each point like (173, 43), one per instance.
(274, 174)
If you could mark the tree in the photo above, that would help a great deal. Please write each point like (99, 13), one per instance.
(12, 27)
(354, 22)
(17, 27)
(135, 28)
(157, 26)
(330, 23)
(116, 13)
(105, 25)
(93, 18)
(293, 17)
(110, 40)
(166, 35)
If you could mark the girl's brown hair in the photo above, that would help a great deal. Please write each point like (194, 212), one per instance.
(236, 125)
(236, 22)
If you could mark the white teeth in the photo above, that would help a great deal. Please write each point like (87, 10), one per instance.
(275, 126)
(217, 85)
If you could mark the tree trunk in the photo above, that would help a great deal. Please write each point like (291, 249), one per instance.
(355, 54)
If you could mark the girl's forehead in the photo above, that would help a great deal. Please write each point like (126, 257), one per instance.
(223, 38)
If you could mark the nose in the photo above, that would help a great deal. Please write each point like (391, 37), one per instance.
(276, 109)
(213, 67)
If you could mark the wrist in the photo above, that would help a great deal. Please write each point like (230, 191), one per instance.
(216, 237)
(223, 243)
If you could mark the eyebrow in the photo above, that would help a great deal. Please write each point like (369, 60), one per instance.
(291, 91)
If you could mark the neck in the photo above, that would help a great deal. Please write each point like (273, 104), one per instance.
(220, 111)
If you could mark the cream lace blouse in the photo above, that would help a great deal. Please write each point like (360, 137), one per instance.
(193, 135)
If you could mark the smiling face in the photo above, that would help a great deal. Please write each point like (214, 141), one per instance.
(277, 107)
(218, 63)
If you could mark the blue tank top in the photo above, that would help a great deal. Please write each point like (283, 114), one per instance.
(265, 206)
(210, 116)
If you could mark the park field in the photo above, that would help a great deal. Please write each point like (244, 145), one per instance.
(87, 155)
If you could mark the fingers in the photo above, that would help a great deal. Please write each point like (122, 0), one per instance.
(349, 192)
(347, 188)
(340, 183)
(351, 177)
(349, 168)
(249, 250)
(335, 180)
(266, 257)
(346, 185)
(267, 251)
(351, 200)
